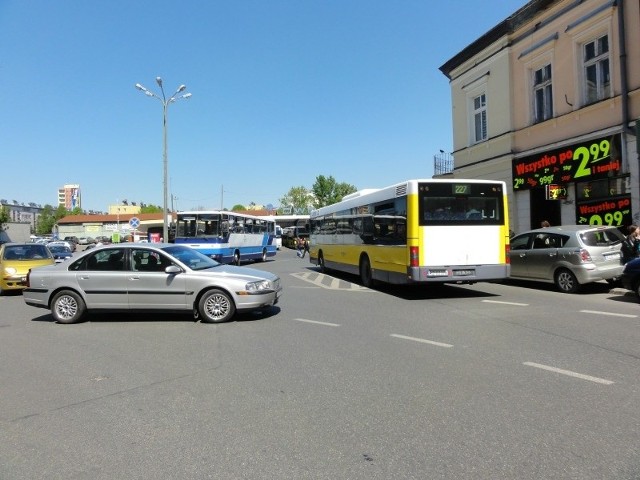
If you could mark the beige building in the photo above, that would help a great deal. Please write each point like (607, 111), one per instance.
(547, 101)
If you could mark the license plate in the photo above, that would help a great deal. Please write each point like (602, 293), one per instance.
(463, 273)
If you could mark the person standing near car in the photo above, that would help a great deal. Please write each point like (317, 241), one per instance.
(630, 244)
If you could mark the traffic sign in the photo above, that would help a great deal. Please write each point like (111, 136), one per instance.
(134, 222)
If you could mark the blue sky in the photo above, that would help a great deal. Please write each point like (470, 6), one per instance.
(282, 91)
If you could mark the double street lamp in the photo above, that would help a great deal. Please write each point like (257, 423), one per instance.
(165, 103)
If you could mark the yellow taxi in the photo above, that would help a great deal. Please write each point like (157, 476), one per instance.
(16, 259)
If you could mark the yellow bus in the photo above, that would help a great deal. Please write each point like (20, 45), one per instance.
(443, 230)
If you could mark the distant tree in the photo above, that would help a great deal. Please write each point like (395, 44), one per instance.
(238, 208)
(150, 208)
(4, 217)
(327, 191)
(297, 197)
(76, 211)
(48, 219)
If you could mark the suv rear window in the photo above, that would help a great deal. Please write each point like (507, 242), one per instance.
(601, 238)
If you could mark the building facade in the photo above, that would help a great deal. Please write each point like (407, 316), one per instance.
(547, 101)
(21, 213)
(69, 196)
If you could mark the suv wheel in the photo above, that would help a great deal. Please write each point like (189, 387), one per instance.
(566, 281)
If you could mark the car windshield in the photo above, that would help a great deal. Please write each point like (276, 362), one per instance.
(194, 259)
(26, 252)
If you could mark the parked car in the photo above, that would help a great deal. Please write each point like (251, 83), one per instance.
(151, 277)
(73, 241)
(60, 252)
(631, 276)
(63, 243)
(16, 259)
(568, 255)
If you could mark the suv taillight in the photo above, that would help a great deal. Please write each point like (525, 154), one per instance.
(584, 256)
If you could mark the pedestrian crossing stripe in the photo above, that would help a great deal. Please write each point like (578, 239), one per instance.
(330, 283)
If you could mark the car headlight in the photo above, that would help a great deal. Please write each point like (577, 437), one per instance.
(259, 286)
(10, 271)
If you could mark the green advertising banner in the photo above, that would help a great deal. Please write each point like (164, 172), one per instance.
(589, 160)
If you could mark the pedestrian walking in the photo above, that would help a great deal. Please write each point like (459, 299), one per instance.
(299, 246)
(631, 244)
(305, 247)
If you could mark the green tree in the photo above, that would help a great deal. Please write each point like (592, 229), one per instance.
(4, 217)
(327, 191)
(238, 208)
(150, 209)
(297, 197)
(48, 218)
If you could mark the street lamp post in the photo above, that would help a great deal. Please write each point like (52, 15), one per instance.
(165, 163)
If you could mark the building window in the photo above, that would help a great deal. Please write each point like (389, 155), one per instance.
(480, 118)
(542, 94)
(597, 80)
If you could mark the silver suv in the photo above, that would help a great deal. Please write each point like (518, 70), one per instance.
(568, 255)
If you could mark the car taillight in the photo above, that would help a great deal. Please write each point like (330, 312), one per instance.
(507, 249)
(584, 256)
(414, 256)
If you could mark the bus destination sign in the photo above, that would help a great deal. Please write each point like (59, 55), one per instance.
(598, 158)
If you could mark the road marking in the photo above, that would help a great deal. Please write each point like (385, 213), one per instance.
(569, 373)
(327, 324)
(422, 340)
(611, 314)
(507, 303)
(330, 283)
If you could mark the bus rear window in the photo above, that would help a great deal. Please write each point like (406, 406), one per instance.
(474, 205)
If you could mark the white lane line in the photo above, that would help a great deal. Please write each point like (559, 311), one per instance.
(569, 373)
(611, 314)
(507, 303)
(327, 324)
(422, 340)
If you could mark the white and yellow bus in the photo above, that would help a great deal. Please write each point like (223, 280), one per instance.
(446, 231)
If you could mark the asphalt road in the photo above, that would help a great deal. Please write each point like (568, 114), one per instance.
(489, 381)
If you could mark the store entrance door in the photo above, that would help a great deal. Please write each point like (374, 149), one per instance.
(543, 209)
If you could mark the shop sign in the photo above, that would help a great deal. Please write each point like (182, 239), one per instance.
(613, 212)
(589, 160)
(556, 192)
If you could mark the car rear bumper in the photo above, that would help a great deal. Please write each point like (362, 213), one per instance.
(596, 273)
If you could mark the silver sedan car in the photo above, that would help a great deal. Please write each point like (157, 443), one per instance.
(149, 277)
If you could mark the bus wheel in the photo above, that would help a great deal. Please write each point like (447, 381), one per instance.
(323, 268)
(236, 258)
(365, 272)
(264, 255)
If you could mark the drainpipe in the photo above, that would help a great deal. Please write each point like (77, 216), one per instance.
(623, 68)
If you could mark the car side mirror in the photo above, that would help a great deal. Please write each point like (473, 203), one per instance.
(172, 270)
